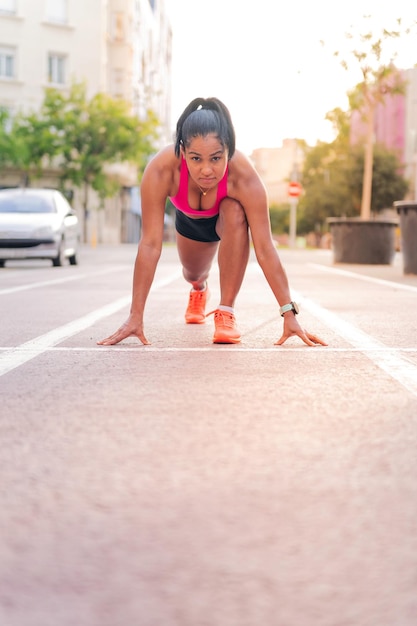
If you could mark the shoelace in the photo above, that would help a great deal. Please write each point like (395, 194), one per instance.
(224, 317)
(194, 304)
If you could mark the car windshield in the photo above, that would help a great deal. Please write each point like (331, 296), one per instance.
(26, 204)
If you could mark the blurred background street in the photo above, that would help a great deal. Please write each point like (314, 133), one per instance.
(185, 483)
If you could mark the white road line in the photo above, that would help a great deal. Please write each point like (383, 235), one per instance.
(369, 279)
(30, 349)
(56, 281)
(400, 368)
(213, 348)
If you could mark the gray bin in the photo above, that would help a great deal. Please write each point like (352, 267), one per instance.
(408, 226)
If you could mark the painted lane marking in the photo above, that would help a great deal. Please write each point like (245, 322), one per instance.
(400, 368)
(30, 349)
(56, 281)
(370, 279)
(134, 347)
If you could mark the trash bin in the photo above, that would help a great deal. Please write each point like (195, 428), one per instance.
(408, 227)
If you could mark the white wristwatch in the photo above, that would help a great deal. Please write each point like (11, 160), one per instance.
(292, 306)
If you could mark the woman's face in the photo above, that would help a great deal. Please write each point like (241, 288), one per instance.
(206, 160)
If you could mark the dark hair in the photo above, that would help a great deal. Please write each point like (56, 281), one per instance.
(202, 117)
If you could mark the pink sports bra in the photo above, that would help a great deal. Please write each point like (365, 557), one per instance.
(180, 201)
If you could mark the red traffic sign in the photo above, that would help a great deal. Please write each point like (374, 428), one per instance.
(294, 189)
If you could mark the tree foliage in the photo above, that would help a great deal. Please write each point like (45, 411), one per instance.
(333, 179)
(89, 135)
(5, 148)
(79, 136)
(96, 132)
(25, 142)
(340, 179)
(279, 215)
(380, 78)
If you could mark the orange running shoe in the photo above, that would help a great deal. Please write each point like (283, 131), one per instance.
(196, 309)
(225, 327)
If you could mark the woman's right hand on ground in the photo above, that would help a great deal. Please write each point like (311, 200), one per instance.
(131, 328)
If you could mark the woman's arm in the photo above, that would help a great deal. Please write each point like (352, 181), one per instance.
(156, 186)
(248, 188)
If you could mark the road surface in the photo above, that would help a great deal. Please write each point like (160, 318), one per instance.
(192, 484)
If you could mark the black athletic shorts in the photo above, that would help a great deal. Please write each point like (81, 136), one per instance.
(199, 229)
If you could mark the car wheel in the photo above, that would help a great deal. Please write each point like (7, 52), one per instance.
(59, 259)
(73, 259)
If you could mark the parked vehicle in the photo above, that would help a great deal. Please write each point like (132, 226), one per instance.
(37, 224)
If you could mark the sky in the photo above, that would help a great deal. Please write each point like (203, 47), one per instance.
(264, 60)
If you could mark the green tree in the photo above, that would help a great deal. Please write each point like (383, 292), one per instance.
(5, 147)
(340, 121)
(388, 183)
(324, 177)
(379, 80)
(25, 142)
(279, 215)
(88, 135)
(333, 179)
(325, 182)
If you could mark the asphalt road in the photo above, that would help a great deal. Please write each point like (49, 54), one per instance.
(191, 484)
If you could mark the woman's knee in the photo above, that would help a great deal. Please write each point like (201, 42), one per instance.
(232, 214)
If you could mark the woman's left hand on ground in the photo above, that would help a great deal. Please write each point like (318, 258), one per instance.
(292, 328)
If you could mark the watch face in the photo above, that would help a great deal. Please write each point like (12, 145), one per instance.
(295, 307)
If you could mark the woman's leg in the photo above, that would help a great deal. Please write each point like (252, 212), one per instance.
(196, 259)
(232, 228)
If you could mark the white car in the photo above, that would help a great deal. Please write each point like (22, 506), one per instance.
(37, 224)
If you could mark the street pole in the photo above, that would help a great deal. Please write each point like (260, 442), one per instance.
(294, 191)
(293, 222)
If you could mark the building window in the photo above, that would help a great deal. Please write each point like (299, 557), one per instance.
(7, 62)
(8, 6)
(118, 27)
(56, 11)
(56, 69)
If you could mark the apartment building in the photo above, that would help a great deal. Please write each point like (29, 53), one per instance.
(118, 47)
(277, 166)
(410, 131)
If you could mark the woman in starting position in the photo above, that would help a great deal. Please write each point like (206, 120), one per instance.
(217, 194)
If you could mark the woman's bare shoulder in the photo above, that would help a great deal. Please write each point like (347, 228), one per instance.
(242, 170)
(163, 169)
(165, 158)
